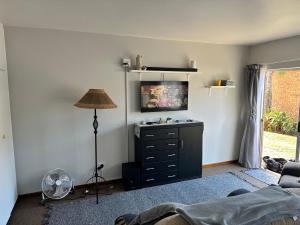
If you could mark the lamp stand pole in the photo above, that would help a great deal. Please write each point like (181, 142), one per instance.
(95, 125)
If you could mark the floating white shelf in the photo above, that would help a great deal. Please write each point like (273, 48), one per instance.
(225, 88)
(220, 87)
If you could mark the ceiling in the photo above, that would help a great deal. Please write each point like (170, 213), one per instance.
(242, 22)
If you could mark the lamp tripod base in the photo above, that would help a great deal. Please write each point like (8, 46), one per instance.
(97, 188)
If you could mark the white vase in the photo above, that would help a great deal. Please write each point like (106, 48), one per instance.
(138, 62)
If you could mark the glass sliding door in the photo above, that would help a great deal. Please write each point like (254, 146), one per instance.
(281, 114)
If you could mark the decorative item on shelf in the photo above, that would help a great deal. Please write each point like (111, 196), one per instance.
(96, 99)
(193, 64)
(138, 62)
(227, 83)
(218, 82)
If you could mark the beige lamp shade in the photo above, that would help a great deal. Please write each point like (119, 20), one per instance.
(96, 99)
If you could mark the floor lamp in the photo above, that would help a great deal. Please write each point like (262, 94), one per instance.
(96, 99)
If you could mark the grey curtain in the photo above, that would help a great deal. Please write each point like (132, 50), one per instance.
(250, 151)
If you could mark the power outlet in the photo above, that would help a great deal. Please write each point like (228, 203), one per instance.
(126, 62)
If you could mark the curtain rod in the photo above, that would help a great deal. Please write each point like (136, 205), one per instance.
(283, 61)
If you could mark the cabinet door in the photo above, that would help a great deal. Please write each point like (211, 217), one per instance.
(190, 152)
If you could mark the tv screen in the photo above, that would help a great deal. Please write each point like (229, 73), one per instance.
(164, 96)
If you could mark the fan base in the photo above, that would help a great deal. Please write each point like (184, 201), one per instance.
(45, 199)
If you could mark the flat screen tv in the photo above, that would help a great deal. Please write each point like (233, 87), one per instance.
(164, 96)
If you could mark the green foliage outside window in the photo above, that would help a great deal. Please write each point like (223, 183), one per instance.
(279, 122)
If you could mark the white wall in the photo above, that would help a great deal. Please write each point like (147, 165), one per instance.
(275, 51)
(8, 192)
(50, 70)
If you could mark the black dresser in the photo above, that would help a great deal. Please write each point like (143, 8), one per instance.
(168, 153)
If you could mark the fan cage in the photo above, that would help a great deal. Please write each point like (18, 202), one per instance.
(61, 184)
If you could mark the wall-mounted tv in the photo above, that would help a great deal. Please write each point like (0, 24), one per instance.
(164, 96)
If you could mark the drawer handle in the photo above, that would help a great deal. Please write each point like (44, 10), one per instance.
(150, 168)
(150, 135)
(151, 179)
(171, 144)
(172, 176)
(150, 146)
(171, 155)
(171, 133)
(171, 165)
(182, 144)
(150, 157)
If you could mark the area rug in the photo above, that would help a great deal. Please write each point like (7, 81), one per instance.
(86, 212)
(263, 175)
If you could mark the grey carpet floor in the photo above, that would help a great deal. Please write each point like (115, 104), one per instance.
(188, 192)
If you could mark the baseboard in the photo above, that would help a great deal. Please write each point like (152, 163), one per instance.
(80, 186)
(219, 163)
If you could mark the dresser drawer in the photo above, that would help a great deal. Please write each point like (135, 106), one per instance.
(149, 179)
(170, 144)
(148, 168)
(160, 144)
(159, 134)
(161, 167)
(155, 178)
(170, 176)
(169, 133)
(158, 156)
(170, 166)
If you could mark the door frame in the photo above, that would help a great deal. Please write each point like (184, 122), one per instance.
(298, 138)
